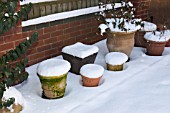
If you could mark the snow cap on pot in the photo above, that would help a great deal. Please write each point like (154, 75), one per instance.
(118, 16)
(158, 36)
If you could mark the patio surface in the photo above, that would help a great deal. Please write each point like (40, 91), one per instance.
(142, 87)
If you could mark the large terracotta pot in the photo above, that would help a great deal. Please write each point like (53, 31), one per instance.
(121, 42)
(155, 48)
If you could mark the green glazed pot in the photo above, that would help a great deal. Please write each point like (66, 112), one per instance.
(53, 86)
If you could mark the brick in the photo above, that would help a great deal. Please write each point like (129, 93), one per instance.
(43, 48)
(25, 34)
(6, 46)
(45, 36)
(76, 33)
(49, 29)
(57, 44)
(18, 41)
(37, 55)
(31, 51)
(69, 41)
(62, 26)
(51, 51)
(57, 33)
(85, 31)
(2, 53)
(1, 39)
(11, 38)
(69, 30)
(17, 29)
(64, 37)
(40, 32)
(50, 40)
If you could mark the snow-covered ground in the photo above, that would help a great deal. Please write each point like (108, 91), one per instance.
(142, 87)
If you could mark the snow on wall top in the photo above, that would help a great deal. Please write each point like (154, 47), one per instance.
(34, 1)
(80, 50)
(64, 15)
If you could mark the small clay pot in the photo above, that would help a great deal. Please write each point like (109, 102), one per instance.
(115, 67)
(90, 82)
(155, 48)
(53, 86)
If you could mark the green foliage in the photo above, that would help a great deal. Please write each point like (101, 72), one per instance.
(9, 16)
(13, 73)
(125, 13)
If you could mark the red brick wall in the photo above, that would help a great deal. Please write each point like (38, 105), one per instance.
(142, 8)
(53, 36)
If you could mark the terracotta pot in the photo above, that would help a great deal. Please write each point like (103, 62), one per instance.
(53, 86)
(114, 67)
(139, 39)
(120, 42)
(168, 44)
(90, 82)
(155, 48)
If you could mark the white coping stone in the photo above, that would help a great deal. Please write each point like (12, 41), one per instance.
(12, 92)
(148, 26)
(116, 58)
(80, 50)
(68, 14)
(92, 70)
(158, 36)
(53, 67)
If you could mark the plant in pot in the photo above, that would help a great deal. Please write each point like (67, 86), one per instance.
(120, 25)
(12, 65)
(156, 42)
(139, 35)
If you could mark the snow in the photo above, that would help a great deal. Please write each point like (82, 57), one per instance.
(142, 87)
(116, 58)
(64, 15)
(130, 26)
(148, 26)
(53, 67)
(34, 1)
(103, 28)
(12, 92)
(92, 70)
(158, 36)
(80, 50)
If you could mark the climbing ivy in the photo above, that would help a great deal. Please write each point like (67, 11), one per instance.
(13, 73)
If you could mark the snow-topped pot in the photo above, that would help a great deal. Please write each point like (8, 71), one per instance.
(79, 54)
(115, 61)
(19, 103)
(139, 35)
(53, 74)
(91, 74)
(80, 50)
(120, 26)
(156, 42)
(53, 67)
